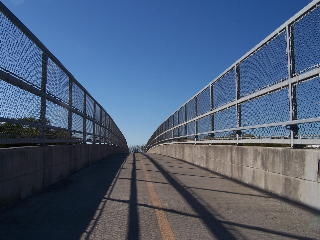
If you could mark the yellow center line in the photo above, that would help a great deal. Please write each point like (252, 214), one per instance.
(164, 225)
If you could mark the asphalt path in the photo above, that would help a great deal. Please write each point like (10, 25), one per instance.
(149, 196)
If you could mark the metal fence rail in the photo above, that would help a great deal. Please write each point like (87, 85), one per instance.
(40, 100)
(270, 95)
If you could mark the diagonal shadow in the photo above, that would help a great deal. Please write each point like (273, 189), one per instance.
(133, 217)
(204, 189)
(312, 210)
(64, 210)
(255, 228)
(213, 224)
(220, 191)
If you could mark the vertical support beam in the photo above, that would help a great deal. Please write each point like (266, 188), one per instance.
(101, 127)
(196, 122)
(238, 106)
(291, 88)
(109, 129)
(94, 122)
(211, 108)
(185, 119)
(70, 108)
(105, 128)
(43, 107)
(172, 135)
(85, 118)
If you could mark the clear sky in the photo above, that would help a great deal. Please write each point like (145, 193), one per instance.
(141, 59)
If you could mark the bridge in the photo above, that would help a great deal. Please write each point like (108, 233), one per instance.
(238, 160)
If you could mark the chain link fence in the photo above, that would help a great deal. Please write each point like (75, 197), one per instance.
(269, 96)
(40, 100)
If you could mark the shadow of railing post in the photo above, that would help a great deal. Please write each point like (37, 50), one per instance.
(133, 217)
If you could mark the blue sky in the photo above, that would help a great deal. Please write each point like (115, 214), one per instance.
(142, 59)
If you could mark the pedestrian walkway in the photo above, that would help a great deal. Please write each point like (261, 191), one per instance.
(148, 196)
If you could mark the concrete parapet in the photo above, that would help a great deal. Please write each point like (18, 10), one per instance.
(289, 173)
(26, 170)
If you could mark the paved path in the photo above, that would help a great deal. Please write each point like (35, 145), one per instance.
(154, 197)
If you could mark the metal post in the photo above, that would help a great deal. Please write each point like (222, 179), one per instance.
(43, 107)
(185, 119)
(211, 108)
(94, 122)
(196, 122)
(100, 124)
(70, 109)
(238, 106)
(172, 135)
(85, 117)
(105, 128)
(292, 88)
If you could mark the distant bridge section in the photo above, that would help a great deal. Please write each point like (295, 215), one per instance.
(40, 100)
(268, 96)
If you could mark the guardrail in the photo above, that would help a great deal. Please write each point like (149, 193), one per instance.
(40, 100)
(271, 95)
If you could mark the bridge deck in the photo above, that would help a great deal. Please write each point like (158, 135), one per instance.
(154, 197)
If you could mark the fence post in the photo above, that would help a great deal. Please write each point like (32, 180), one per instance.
(211, 108)
(185, 119)
(172, 135)
(100, 124)
(238, 106)
(94, 123)
(70, 109)
(292, 88)
(105, 128)
(85, 117)
(196, 122)
(43, 107)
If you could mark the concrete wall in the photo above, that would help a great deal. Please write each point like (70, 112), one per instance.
(289, 173)
(26, 170)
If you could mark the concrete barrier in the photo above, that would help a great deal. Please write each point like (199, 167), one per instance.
(289, 173)
(26, 170)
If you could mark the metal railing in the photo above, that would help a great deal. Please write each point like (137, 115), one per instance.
(271, 95)
(40, 100)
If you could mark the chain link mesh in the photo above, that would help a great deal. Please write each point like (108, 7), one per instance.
(22, 104)
(57, 82)
(56, 115)
(77, 98)
(182, 118)
(191, 109)
(89, 127)
(204, 102)
(225, 119)
(306, 41)
(277, 132)
(224, 89)
(266, 66)
(77, 122)
(204, 124)
(191, 129)
(18, 54)
(308, 98)
(270, 108)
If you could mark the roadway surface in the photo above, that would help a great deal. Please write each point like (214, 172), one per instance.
(154, 197)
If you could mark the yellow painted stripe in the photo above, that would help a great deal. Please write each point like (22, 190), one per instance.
(164, 225)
